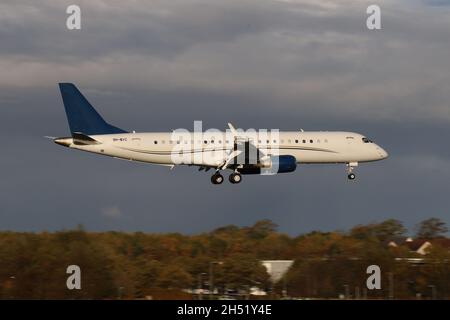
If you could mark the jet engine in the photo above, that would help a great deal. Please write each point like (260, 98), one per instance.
(271, 165)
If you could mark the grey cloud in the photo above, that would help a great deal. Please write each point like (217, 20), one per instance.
(150, 28)
(289, 51)
(437, 2)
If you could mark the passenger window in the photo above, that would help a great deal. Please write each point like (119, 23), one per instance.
(296, 141)
(155, 142)
(304, 141)
(310, 141)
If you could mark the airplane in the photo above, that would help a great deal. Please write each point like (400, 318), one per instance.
(241, 152)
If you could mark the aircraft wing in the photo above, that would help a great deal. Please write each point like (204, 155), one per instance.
(244, 151)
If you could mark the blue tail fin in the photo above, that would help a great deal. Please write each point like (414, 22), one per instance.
(81, 116)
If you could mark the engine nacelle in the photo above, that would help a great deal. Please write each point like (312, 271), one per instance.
(283, 164)
(272, 165)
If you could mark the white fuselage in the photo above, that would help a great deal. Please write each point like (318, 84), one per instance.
(209, 149)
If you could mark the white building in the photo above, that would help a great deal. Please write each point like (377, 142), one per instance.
(277, 268)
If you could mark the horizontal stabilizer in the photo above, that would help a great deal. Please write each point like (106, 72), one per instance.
(82, 139)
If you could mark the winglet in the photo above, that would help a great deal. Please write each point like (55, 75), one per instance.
(232, 129)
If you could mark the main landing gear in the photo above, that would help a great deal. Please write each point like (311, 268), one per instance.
(350, 167)
(217, 178)
(234, 178)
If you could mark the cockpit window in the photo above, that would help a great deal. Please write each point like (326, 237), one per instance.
(365, 140)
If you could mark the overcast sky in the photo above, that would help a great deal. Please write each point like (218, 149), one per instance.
(286, 64)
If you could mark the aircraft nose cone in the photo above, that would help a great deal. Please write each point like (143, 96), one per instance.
(383, 153)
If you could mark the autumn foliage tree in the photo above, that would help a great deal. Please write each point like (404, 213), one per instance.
(137, 265)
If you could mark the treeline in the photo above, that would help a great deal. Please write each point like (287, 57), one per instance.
(137, 265)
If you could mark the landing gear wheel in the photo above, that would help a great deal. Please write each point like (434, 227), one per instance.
(217, 178)
(235, 178)
(350, 167)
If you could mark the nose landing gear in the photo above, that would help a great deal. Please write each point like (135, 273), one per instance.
(350, 167)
